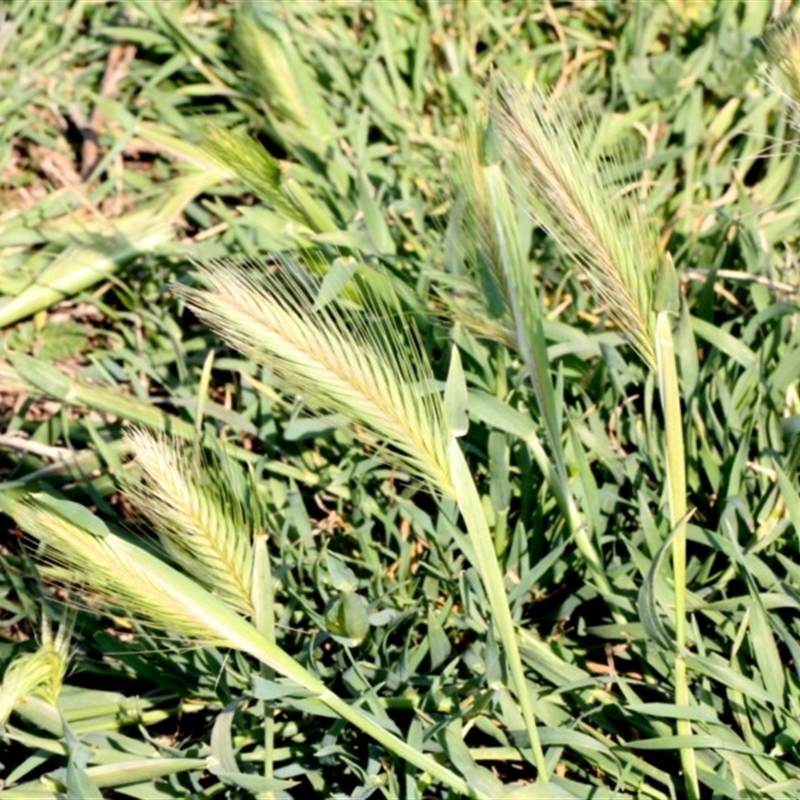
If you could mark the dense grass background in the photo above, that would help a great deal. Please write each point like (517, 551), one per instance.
(117, 168)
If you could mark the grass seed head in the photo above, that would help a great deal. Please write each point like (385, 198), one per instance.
(783, 48)
(40, 673)
(568, 194)
(201, 521)
(124, 574)
(362, 366)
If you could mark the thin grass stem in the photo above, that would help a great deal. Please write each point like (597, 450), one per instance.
(676, 495)
(264, 621)
(469, 503)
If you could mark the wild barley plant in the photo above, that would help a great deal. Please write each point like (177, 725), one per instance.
(362, 363)
(360, 366)
(221, 598)
(572, 198)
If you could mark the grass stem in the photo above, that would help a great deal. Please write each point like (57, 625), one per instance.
(470, 505)
(676, 491)
(265, 623)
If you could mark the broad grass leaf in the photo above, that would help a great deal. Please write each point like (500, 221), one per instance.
(499, 471)
(280, 689)
(221, 741)
(41, 375)
(791, 497)
(135, 771)
(303, 428)
(721, 672)
(541, 790)
(724, 342)
(342, 577)
(30, 791)
(478, 777)
(671, 711)
(77, 781)
(768, 658)
(335, 281)
(377, 229)
(686, 353)
(256, 785)
(497, 414)
(438, 640)
(693, 741)
(563, 737)
(223, 764)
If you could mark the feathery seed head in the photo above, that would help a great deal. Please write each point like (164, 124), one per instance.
(360, 365)
(488, 226)
(567, 195)
(202, 521)
(783, 47)
(40, 673)
(123, 573)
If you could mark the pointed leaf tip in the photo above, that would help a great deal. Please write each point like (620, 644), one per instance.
(455, 397)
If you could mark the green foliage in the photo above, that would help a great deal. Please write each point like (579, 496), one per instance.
(507, 553)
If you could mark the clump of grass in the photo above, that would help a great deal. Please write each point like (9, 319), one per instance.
(373, 123)
(379, 377)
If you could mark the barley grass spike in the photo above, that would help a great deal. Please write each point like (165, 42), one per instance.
(570, 197)
(202, 525)
(339, 359)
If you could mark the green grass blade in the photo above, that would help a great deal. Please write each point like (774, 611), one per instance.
(675, 454)
(83, 265)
